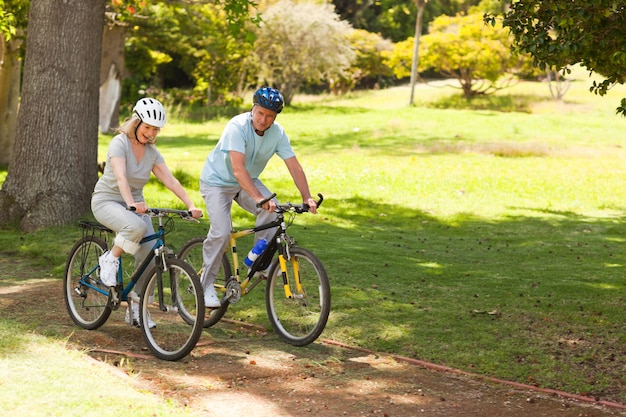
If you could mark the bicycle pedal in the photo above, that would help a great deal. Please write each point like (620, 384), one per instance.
(114, 299)
(79, 292)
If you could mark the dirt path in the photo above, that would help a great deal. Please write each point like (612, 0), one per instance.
(239, 370)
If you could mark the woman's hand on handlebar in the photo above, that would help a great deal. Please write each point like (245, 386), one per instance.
(140, 207)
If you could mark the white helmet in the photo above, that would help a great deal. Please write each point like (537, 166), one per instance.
(150, 111)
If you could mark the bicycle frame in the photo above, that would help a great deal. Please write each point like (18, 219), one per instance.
(279, 243)
(157, 249)
(247, 285)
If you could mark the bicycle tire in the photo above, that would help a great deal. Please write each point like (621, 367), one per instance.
(299, 321)
(87, 307)
(173, 337)
(191, 253)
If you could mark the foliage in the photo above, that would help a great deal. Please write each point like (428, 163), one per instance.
(121, 11)
(395, 19)
(300, 43)
(193, 45)
(557, 34)
(399, 58)
(463, 48)
(7, 23)
(13, 18)
(368, 64)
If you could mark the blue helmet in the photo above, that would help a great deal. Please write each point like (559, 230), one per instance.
(269, 98)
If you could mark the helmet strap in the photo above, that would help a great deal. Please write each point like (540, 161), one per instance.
(136, 129)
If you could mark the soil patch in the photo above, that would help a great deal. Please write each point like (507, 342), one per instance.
(241, 370)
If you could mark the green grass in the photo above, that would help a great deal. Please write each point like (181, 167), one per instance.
(39, 376)
(484, 240)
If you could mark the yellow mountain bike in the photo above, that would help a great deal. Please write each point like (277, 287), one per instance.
(297, 292)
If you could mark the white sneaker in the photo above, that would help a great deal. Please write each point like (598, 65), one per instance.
(134, 306)
(210, 297)
(108, 269)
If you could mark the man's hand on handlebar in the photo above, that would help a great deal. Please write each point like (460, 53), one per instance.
(268, 204)
(312, 205)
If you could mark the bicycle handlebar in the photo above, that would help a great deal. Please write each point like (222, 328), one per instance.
(164, 212)
(297, 208)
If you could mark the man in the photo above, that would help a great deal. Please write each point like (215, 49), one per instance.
(231, 172)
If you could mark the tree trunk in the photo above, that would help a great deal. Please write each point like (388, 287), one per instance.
(54, 165)
(111, 71)
(421, 4)
(10, 66)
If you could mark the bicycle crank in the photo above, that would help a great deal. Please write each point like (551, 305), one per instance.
(114, 299)
(233, 291)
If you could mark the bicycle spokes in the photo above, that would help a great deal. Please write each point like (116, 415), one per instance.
(298, 303)
(173, 308)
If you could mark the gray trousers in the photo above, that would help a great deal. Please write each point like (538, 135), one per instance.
(219, 201)
(129, 227)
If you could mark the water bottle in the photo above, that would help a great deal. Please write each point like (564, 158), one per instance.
(254, 253)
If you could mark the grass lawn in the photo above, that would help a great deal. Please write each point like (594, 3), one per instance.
(490, 241)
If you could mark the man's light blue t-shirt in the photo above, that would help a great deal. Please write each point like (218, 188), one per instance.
(239, 135)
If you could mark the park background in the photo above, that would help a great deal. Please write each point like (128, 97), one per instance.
(485, 234)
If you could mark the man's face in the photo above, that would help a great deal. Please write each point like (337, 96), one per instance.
(262, 118)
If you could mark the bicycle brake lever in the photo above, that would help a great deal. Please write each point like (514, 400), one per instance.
(319, 202)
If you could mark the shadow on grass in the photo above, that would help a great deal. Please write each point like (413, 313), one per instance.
(537, 296)
(499, 103)
(527, 298)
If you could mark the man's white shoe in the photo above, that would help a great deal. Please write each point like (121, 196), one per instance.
(210, 297)
(108, 269)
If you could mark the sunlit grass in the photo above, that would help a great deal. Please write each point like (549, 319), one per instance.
(40, 377)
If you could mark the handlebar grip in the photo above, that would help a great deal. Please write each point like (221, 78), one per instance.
(260, 203)
(319, 202)
(306, 207)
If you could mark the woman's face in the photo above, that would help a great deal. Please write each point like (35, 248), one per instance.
(147, 133)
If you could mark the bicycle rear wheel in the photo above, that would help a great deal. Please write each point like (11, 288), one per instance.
(191, 253)
(298, 320)
(85, 295)
(180, 319)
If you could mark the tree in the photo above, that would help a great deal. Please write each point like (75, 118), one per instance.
(395, 19)
(591, 33)
(13, 14)
(300, 43)
(368, 66)
(204, 47)
(421, 4)
(53, 168)
(463, 48)
(54, 165)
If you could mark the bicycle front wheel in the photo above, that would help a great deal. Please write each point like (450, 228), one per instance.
(171, 310)
(298, 305)
(191, 253)
(85, 295)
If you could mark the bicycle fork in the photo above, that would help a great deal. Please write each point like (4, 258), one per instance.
(160, 254)
(296, 277)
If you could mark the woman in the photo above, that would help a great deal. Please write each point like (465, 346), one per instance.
(131, 157)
